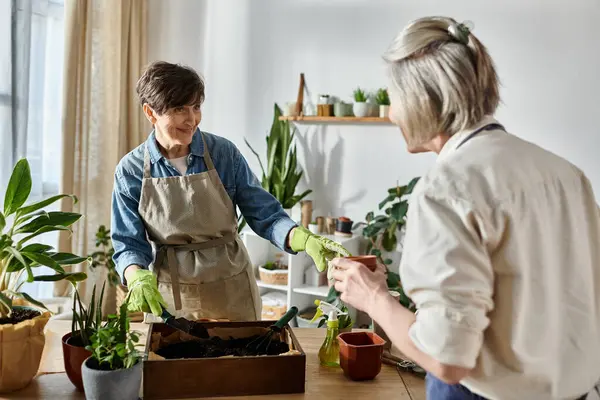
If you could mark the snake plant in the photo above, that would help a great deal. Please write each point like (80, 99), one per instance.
(19, 225)
(281, 175)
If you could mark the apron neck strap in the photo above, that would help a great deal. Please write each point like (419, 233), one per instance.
(207, 160)
(147, 174)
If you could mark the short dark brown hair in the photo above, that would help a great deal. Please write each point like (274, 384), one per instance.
(164, 85)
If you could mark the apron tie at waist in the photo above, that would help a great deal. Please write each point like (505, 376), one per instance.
(169, 251)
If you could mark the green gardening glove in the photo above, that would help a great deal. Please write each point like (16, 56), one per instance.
(143, 293)
(320, 249)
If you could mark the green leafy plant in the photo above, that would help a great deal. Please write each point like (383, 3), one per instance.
(86, 321)
(281, 175)
(113, 345)
(360, 96)
(344, 321)
(104, 256)
(19, 224)
(382, 98)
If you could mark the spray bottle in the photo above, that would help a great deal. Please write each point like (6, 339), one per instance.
(329, 353)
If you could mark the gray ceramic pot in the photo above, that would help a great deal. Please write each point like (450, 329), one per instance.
(121, 384)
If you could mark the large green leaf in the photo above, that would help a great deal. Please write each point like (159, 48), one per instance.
(30, 299)
(2, 222)
(399, 210)
(27, 217)
(68, 258)
(19, 187)
(388, 241)
(41, 231)
(389, 198)
(28, 209)
(43, 259)
(36, 248)
(55, 218)
(5, 300)
(70, 276)
(411, 185)
(16, 254)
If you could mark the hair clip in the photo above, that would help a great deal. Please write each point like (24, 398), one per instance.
(461, 31)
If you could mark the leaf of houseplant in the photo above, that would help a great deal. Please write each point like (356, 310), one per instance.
(16, 254)
(19, 187)
(30, 299)
(2, 221)
(44, 260)
(55, 218)
(399, 210)
(388, 242)
(411, 185)
(41, 204)
(25, 218)
(70, 276)
(40, 231)
(36, 248)
(389, 198)
(68, 258)
(5, 300)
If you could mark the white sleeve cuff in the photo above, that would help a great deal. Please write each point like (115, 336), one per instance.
(449, 336)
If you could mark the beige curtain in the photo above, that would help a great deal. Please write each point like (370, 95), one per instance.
(105, 52)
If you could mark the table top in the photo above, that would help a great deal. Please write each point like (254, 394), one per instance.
(321, 382)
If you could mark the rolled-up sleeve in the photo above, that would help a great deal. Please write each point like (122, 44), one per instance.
(264, 214)
(128, 233)
(447, 272)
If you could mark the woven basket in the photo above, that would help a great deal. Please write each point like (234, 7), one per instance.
(121, 295)
(272, 312)
(274, 277)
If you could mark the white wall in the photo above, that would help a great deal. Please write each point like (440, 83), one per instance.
(252, 52)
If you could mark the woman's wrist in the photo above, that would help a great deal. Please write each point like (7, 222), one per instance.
(129, 271)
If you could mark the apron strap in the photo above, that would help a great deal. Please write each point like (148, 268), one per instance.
(169, 251)
(207, 160)
(147, 174)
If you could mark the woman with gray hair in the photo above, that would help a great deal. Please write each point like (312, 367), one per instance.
(501, 251)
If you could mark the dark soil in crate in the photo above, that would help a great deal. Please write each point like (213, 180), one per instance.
(217, 347)
(19, 315)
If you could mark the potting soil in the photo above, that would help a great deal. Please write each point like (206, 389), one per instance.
(19, 315)
(217, 347)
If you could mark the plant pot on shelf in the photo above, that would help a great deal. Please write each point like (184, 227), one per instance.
(21, 347)
(384, 111)
(74, 354)
(273, 277)
(106, 384)
(360, 354)
(314, 228)
(361, 109)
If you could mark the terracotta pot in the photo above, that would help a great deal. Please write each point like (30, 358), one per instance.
(360, 354)
(73, 357)
(368, 261)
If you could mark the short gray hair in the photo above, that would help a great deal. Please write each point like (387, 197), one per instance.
(442, 83)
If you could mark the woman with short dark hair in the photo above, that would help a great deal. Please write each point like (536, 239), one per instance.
(177, 192)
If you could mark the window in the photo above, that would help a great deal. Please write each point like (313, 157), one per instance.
(31, 75)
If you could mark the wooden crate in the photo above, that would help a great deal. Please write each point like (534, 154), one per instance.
(227, 376)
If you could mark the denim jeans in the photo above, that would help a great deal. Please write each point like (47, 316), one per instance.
(438, 390)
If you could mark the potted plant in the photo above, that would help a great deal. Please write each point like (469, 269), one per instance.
(382, 233)
(383, 100)
(274, 272)
(84, 324)
(282, 175)
(23, 318)
(314, 227)
(114, 370)
(360, 107)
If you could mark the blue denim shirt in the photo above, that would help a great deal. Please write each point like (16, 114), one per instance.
(262, 211)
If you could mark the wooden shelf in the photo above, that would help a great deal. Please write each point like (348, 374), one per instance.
(320, 291)
(270, 286)
(352, 120)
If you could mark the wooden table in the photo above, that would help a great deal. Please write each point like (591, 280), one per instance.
(321, 382)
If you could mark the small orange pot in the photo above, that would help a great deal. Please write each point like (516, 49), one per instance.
(360, 354)
(368, 261)
(73, 357)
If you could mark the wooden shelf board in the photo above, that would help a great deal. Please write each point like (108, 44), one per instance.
(317, 119)
(321, 291)
(261, 284)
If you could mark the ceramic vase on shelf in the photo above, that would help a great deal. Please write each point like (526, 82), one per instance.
(384, 111)
(361, 109)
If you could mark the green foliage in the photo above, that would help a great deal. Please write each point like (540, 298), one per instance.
(17, 255)
(381, 231)
(114, 345)
(104, 256)
(281, 175)
(86, 321)
(344, 321)
(360, 96)
(382, 98)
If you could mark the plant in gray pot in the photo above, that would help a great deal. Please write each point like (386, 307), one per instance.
(114, 370)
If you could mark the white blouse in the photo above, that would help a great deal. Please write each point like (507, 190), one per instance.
(502, 259)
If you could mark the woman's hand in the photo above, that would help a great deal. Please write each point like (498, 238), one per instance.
(143, 293)
(359, 287)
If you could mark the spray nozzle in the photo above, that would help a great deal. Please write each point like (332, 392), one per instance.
(324, 308)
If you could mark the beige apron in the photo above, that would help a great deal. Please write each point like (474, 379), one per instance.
(202, 266)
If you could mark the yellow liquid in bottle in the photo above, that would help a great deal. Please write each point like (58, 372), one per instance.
(329, 353)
